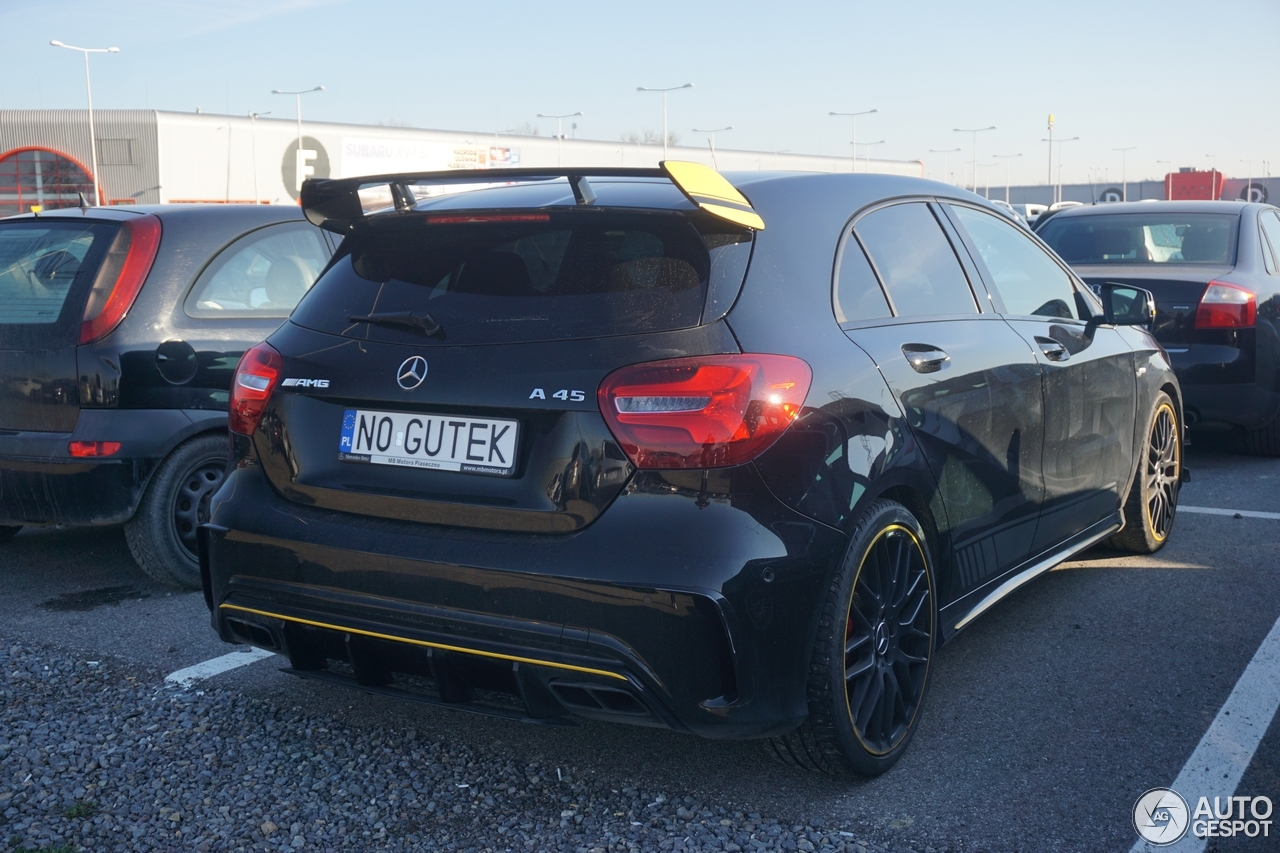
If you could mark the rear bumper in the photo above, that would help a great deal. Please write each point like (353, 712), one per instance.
(1220, 386)
(41, 483)
(659, 613)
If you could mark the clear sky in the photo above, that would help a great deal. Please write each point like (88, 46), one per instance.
(1178, 80)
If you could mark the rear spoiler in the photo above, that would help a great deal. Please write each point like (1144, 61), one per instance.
(334, 204)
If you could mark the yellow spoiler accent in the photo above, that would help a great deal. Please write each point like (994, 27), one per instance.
(710, 191)
(442, 646)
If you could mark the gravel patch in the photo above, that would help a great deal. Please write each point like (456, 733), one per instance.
(97, 755)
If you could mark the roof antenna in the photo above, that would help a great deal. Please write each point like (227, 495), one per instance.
(84, 202)
(582, 191)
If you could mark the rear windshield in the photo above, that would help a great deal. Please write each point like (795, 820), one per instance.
(520, 277)
(1158, 237)
(46, 268)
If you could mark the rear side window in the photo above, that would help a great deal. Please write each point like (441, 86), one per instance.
(262, 274)
(858, 293)
(521, 277)
(1030, 282)
(46, 268)
(1271, 228)
(915, 260)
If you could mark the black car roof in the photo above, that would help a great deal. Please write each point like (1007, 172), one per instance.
(249, 213)
(1228, 207)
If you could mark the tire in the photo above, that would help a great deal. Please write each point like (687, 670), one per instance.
(1262, 442)
(7, 533)
(1152, 503)
(887, 634)
(162, 533)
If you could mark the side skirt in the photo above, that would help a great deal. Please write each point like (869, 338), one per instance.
(1029, 571)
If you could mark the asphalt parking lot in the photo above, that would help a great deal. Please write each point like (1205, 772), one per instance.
(1048, 718)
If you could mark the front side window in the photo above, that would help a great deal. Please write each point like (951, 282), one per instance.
(915, 260)
(1144, 238)
(263, 274)
(1029, 281)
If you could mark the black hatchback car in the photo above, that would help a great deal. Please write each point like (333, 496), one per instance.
(120, 329)
(1214, 267)
(628, 446)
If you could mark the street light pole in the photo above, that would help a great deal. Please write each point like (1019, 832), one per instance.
(297, 103)
(88, 90)
(1006, 158)
(1124, 171)
(866, 163)
(1248, 191)
(1057, 193)
(664, 108)
(853, 138)
(1213, 177)
(975, 131)
(253, 148)
(712, 142)
(944, 152)
(1168, 179)
(559, 132)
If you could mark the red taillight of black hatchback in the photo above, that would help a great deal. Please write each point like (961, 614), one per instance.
(120, 279)
(256, 377)
(703, 412)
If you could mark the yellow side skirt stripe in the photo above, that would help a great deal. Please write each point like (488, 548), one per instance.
(442, 646)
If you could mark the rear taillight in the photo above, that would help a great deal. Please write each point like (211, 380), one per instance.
(255, 379)
(123, 271)
(86, 449)
(1226, 306)
(703, 412)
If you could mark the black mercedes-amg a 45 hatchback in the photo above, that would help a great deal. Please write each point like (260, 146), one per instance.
(726, 456)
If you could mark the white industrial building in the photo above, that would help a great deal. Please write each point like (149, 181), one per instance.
(153, 156)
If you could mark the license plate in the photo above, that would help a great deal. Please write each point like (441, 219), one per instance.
(439, 442)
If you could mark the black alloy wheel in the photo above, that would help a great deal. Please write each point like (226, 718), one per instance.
(1152, 503)
(872, 656)
(162, 532)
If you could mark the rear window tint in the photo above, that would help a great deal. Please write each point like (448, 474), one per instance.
(1144, 238)
(537, 277)
(46, 268)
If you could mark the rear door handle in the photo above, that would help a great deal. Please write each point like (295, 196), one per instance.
(1052, 350)
(924, 358)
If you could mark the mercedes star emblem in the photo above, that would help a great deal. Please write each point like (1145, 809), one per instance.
(412, 372)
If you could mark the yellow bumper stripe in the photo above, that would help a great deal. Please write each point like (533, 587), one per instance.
(442, 646)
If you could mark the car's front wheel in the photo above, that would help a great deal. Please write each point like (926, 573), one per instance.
(7, 532)
(869, 669)
(1153, 498)
(162, 533)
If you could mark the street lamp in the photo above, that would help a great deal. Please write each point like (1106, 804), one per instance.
(853, 137)
(1124, 171)
(712, 142)
(1213, 177)
(1248, 192)
(298, 166)
(1057, 193)
(866, 165)
(559, 131)
(253, 147)
(88, 90)
(1168, 178)
(1006, 158)
(664, 109)
(944, 152)
(975, 131)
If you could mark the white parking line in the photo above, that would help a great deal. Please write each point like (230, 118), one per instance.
(188, 676)
(1223, 754)
(1243, 513)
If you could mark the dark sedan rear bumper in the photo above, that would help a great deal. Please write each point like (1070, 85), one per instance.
(1219, 387)
(688, 612)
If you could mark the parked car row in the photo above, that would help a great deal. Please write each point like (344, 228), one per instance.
(729, 455)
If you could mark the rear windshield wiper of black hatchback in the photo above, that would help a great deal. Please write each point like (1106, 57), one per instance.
(422, 322)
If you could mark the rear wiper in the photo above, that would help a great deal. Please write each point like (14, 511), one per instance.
(422, 323)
